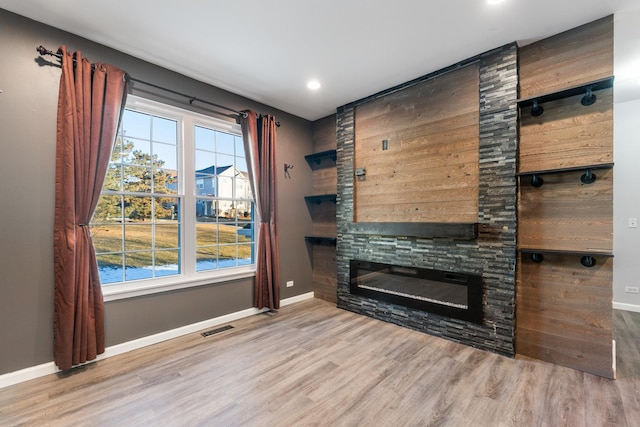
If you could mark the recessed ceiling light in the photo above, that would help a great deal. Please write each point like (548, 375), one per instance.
(313, 85)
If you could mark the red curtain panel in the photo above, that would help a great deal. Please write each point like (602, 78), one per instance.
(259, 133)
(90, 105)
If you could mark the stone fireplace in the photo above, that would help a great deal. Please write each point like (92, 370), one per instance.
(489, 255)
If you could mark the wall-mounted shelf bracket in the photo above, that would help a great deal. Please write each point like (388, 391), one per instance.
(588, 177)
(316, 159)
(587, 89)
(319, 198)
(587, 258)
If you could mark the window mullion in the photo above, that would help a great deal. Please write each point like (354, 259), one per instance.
(189, 201)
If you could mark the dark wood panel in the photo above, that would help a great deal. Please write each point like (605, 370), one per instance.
(568, 134)
(323, 217)
(324, 181)
(325, 276)
(565, 214)
(576, 56)
(324, 134)
(563, 312)
(431, 156)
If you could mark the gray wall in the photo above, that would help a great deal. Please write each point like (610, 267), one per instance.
(28, 105)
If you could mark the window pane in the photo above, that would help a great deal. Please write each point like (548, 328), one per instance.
(113, 179)
(206, 234)
(135, 124)
(241, 165)
(227, 232)
(139, 265)
(205, 161)
(224, 162)
(225, 143)
(166, 209)
(137, 208)
(107, 238)
(239, 145)
(137, 179)
(165, 130)
(165, 181)
(207, 258)
(167, 263)
(136, 152)
(166, 236)
(245, 254)
(245, 232)
(138, 237)
(227, 256)
(110, 268)
(204, 139)
(166, 156)
(205, 185)
(225, 187)
(109, 209)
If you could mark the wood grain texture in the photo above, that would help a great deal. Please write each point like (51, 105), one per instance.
(314, 364)
(429, 172)
(325, 275)
(324, 134)
(577, 56)
(563, 312)
(568, 134)
(323, 215)
(565, 214)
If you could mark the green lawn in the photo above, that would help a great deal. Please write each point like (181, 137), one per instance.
(214, 240)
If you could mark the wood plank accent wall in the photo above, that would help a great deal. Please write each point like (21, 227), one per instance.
(571, 58)
(563, 308)
(562, 316)
(566, 215)
(429, 173)
(323, 215)
(568, 134)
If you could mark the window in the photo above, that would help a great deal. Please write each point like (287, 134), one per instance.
(176, 207)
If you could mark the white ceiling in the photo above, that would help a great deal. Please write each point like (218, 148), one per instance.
(268, 50)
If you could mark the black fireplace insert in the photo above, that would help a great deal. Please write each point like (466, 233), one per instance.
(452, 294)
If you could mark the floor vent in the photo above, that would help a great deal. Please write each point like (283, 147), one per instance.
(216, 331)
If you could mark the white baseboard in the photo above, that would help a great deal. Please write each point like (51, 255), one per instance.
(626, 307)
(48, 368)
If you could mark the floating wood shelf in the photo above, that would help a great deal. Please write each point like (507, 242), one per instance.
(601, 253)
(316, 159)
(319, 198)
(570, 169)
(587, 178)
(587, 258)
(319, 240)
(467, 231)
(585, 88)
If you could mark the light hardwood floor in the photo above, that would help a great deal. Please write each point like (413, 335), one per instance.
(313, 364)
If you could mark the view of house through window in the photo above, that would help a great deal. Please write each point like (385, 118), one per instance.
(176, 199)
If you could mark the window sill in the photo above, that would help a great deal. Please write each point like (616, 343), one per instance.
(147, 287)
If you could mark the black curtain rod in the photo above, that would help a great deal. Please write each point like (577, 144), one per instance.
(44, 51)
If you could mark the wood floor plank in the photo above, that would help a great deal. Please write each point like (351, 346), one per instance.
(314, 364)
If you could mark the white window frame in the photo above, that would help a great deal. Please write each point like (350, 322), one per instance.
(188, 277)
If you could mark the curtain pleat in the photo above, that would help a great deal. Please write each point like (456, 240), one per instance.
(90, 104)
(259, 134)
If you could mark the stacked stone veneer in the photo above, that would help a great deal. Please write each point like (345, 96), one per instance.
(492, 254)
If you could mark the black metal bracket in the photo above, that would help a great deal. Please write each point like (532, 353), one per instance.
(537, 257)
(536, 109)
(588, 261)
(588, 177)
(589, 97)
(536, 180)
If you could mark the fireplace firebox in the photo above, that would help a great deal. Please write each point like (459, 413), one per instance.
(452, 294)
